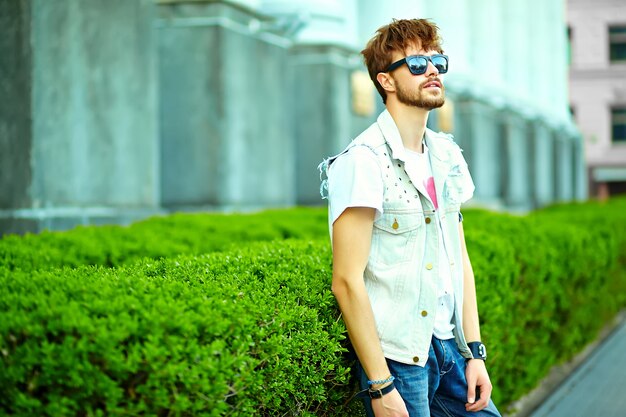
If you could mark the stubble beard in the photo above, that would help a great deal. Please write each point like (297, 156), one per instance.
(422, 98)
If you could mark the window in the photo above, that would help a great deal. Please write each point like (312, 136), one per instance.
(569, 45)
(618, 122)
(617, 40)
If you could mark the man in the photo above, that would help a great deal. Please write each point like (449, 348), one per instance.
(401, 272)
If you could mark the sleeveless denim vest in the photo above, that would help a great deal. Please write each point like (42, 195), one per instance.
(402, 270)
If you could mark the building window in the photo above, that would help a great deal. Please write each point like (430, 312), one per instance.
(617, 40)
(618, 122)
(569, 45)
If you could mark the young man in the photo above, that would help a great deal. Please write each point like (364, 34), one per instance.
(401, 272)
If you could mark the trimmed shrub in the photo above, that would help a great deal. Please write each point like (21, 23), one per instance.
(546, 284)
(255, 330)
(252, 332)
(158, 237)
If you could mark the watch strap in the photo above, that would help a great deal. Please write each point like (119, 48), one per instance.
(478, 349)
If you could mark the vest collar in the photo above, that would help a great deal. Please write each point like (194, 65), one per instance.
(390, 131)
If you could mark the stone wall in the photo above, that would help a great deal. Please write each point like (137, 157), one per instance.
(80, 143)
(118, 110)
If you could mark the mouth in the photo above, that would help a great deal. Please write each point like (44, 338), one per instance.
(432, 84)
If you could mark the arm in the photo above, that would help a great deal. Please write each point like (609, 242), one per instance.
(476, 372)
(352, 235)
(471, 326)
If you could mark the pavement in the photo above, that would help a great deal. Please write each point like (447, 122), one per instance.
(597, 387)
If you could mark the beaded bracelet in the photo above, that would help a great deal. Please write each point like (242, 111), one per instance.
(390, 378)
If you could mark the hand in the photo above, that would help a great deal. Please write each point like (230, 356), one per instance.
(390, 405)
(477, 380)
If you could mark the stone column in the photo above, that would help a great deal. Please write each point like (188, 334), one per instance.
(326, 95)
(516, 165)
(541, 164)
(324, 120)
(224, 112)
(78, 138)
(479, 135)
(564, 169)
(16, 136)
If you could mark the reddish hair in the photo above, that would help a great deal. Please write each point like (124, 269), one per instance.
(399, 35)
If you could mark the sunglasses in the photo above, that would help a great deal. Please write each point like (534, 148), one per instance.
(419, 63)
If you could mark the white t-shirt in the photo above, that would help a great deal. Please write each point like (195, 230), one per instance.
(362, 185)
(445, 291)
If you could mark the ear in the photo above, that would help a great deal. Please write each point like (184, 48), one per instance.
(386, 81)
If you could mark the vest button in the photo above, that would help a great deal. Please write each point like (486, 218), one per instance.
(416, 359)
(429, 266)
(427, 220)
(424, 313)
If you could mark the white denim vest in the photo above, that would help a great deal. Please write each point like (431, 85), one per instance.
(401, 273)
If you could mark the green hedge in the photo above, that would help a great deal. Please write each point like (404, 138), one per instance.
(254, 330)
(546, 283)
(158, 237)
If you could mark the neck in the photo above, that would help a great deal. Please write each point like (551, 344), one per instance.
(411, 123)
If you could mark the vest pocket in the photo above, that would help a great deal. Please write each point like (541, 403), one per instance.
(394, 237)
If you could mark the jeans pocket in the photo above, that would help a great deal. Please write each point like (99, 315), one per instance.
(447, 359)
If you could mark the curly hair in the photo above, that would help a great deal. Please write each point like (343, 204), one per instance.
(399, 35)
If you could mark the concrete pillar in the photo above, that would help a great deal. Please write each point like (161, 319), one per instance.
(323, 87)
(78, 113)
(542, 164)
(224, 80)
(564, 169)
(324, 120)
(16, 138)
(479, 134)
(516, 166)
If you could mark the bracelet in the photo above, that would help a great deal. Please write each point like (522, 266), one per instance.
(390, 378)
(379, 393)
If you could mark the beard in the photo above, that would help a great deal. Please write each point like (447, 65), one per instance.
(421, 98)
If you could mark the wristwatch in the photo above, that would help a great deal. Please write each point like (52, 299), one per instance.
(378, 393)
(479, 351)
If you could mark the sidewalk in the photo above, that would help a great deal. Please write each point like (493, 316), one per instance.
(597, 388)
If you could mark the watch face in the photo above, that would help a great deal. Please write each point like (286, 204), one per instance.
(479, 351)
(482, 351)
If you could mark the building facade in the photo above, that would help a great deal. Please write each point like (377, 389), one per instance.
(597, 37)
(123, 109)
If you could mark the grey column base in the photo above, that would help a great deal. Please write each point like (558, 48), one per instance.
(57, 219)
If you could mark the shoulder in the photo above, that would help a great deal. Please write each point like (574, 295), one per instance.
(444, 142)
(364, 148)
(443, 139)
(359, 158)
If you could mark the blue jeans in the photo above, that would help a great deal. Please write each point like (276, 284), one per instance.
(439, 389)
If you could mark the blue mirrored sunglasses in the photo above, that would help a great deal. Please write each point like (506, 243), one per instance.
(418, 64)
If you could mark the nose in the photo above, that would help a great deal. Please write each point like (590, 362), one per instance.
(431, 69)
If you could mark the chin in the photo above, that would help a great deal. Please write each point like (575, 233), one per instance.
(434, 104)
